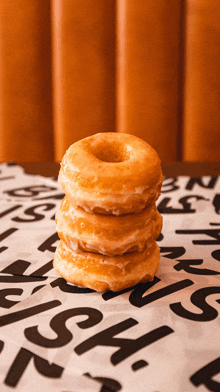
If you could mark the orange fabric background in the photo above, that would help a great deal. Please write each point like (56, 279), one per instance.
(69, 69)
(26, 131)
(201, 128)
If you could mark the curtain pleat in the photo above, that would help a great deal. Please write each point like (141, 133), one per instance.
(26, 124)
(148, 72)
(201, 130)
(72, 68)
(84, 70)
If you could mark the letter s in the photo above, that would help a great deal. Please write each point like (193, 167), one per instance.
(64, 336)
(198, 299)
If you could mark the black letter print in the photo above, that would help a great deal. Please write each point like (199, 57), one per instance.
(140, 286)
(112, 294)
(47, 245)
(204, 376)
(6, 303)
(108, 384)
(216, 254)
(170, 184)
(19, 267)
(198, 299)
(173, 251)
(199, 181)
(67, 288)
(213, 233)
(136, 298)
(4, 235)
(10, 318)
(6, 212)
(163, 207)
(6, 177)
(29, 191)
(127, 346)
(57, 324)
(216, 203)
(21, 362)
(186, 266)
(44, 269)
(1, 346)
(31, 212)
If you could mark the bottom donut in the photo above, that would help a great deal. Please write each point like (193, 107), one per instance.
(102, 273)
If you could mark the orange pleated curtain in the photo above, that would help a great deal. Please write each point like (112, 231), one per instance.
(72, 68)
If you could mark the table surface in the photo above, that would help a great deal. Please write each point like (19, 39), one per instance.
(160, 334)
(171, 169)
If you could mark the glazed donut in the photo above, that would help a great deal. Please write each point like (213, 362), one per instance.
(102, 273)
(111, 173)
(107, 234)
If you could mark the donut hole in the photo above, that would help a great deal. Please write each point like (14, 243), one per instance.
(111, 152)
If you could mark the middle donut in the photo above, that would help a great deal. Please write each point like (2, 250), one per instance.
(106, 234)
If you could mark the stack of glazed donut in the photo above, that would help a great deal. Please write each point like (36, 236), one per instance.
(108, 222)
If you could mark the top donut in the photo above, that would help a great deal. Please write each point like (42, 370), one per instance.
(111, 173)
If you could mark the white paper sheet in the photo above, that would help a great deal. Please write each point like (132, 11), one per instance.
(162, 336)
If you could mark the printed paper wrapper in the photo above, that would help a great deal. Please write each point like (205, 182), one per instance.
(161, 336)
